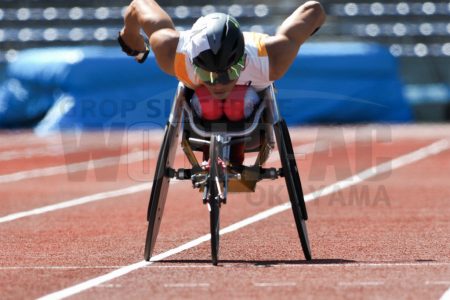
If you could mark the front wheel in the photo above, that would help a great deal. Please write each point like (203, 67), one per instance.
(214, 200)
(214, 216)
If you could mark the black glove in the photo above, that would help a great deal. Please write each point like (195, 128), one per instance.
(139, 56)
(314, 32)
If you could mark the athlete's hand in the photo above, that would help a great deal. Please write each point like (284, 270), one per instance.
(135, 46)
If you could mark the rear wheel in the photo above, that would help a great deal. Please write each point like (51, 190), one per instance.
(293, 184)
(294, 168)
(159, 189)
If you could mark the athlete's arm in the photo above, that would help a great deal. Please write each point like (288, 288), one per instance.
(157, 25)
(282, 48)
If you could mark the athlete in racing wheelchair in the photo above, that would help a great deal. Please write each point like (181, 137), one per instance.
(224, 106)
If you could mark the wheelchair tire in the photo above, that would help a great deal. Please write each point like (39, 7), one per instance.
(159, 189)
(294, 169)
(289, 170)
(214, 217)
(214, 201)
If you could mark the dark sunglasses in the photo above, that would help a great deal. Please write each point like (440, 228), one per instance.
(212, 78)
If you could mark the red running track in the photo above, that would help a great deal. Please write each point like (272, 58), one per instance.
(386, 237)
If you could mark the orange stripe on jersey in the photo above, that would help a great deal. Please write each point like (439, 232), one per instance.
(258, 38)
(181, 70)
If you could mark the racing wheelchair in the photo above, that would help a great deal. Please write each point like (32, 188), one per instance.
(260, 131)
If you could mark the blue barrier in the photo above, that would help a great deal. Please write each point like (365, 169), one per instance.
(23, 103)
(93, 87)
(343, 83)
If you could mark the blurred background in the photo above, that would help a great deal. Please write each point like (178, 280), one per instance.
(349, 60)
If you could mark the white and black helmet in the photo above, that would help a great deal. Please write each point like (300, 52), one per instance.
(217, 41)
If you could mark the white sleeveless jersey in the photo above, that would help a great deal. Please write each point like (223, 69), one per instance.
(256, 70)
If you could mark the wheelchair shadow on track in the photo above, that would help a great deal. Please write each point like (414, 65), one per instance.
(272, 263)
(262, 263)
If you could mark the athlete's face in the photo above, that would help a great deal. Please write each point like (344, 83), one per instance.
(221, 91)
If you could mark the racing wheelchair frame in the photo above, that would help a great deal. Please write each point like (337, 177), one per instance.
(257, 132)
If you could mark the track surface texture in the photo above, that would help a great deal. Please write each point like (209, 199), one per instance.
(73, 220)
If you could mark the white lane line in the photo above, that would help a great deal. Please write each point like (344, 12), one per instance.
(299, 151)
(14, 268)
(361, 283)
(109, 161)
(250, 265)
(274, 284)
(302, 150)
(130, 158)
(364, 265)
(406, 159)
(48, 151)
(182, 267)
(437, 283)
(19, 140)
(31, 152)
(186, 285)
(446, 295)
(77, 167)
(78, 201)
